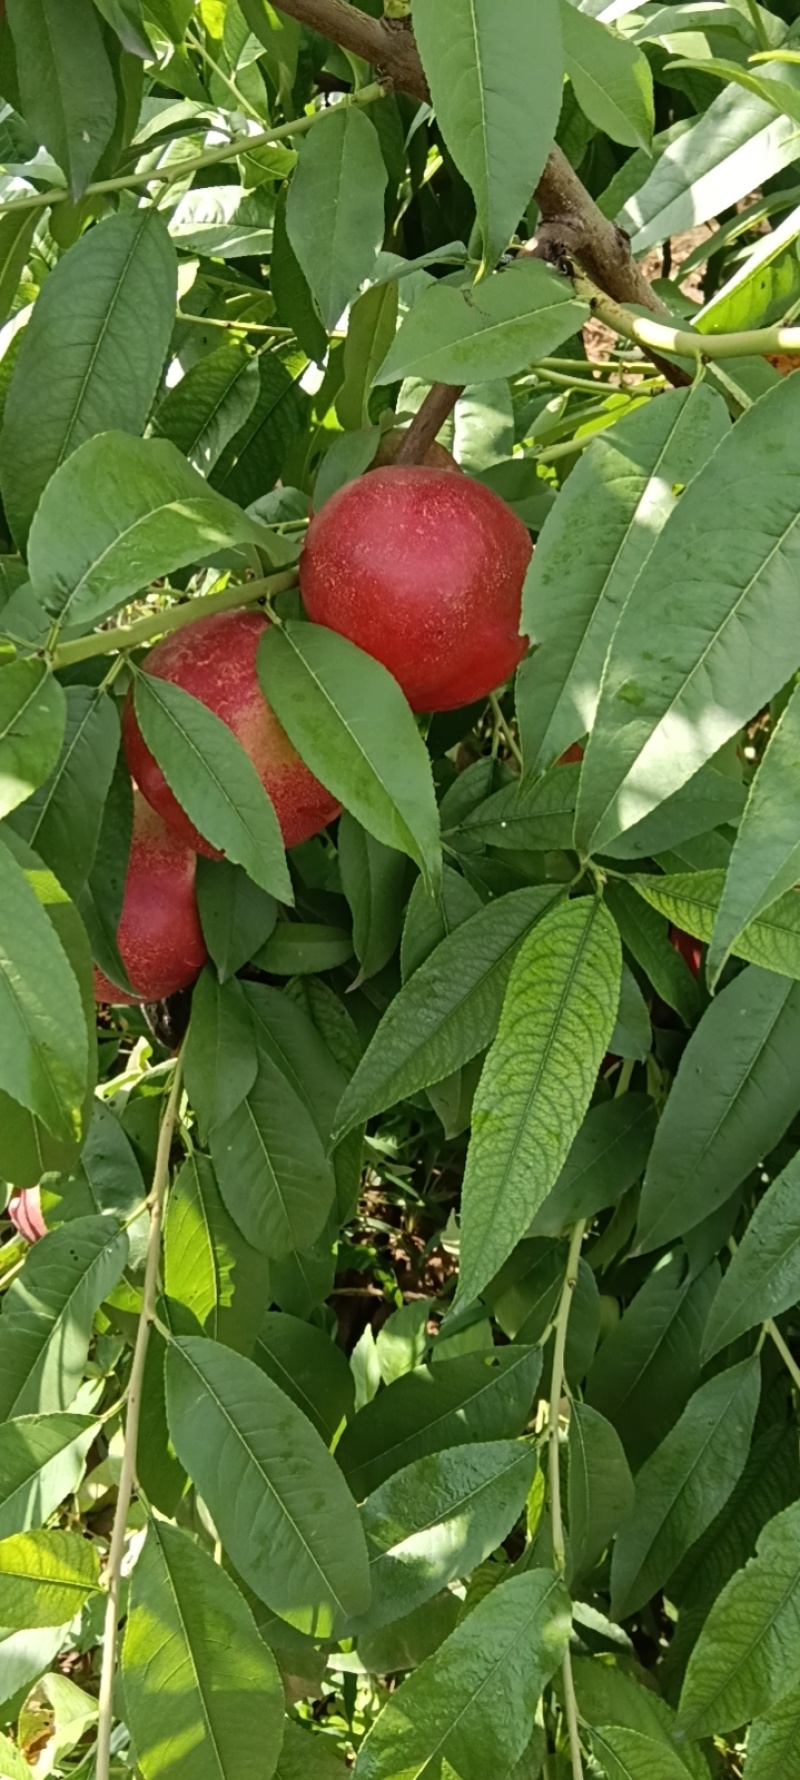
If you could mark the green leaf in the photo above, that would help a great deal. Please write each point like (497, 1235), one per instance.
(253, 460)
(607, 1156)
(612, 79)
(732, 1099)
(294, 304)
(309, 1367)
(348, 457)
(45, 1578)
(271, 1166)
(66, 84)
(220, 1056)
(608, 1696)
(47, 1318)
(214, 780)
(773, 1742)
(13, 1765)
(663, 713)
(763, 1279)
(646, 937)
(439, 1518)
(452, 1403)
(203, 412)
(203, 1694)
(745, 1659)
(402, 1341)
(429, 920)
(351, 725)
(236, 915)
(649, 1364)
(370, 332)
(558, 1015)
(307, 1756)
(684, 1484)
(765, 861)
(481, 332)
(107, 1176)
(287, 1033)
(16, 234)
(448, 1010)
(627, 1754)
(91, 356)
(43, 1039)
(334, 213)
(208, 1266)
(100, 901)
(600, 1487)
(591, 549)
(532, 818)
(120, 513)
(495, 74)
(692, 899)
(303, 948)
(33, 712)
(374, 880)
(41, 1461)
(708, 799)
(452, 1711)
(265, 1475)
(62, 820)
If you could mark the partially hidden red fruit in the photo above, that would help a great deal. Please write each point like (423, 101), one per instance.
(159, 935)
(572, 755)
(691, 949)
(25, 1213)
(215, 660)
(424, 571)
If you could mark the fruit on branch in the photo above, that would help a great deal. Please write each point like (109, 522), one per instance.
(215, 660)
(437, 457)
(424, 571)
(159, 935)
(25, 1213)
(571, 755)
(690, 949)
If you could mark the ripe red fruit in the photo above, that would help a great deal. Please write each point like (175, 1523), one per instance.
(424, 571)
(572, 755)
(691, 949)
(159, 935)
(215, 660)
(25, 1212)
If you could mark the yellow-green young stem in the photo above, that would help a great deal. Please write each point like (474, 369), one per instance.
(770, 1328)
(502, 727)
(134, 1406)
(556, 1514)
(211, 157)
(658, 336)
(130, 636)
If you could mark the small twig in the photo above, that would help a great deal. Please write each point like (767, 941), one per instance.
(227, 80)
(556, 1515)
(128, 1471)
(244, 327)
(107, 642)
(429, 419)
(659, 337)
(771, 1329)
(504, 727)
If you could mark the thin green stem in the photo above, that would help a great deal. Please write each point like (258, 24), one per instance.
(759, 26)
(505, 728)
(568, 382)
(196, 42)
(556, 1514)
(107, 642)
(211, 157)
(128, 1470)
(680, 342)
(244, 327)
(789, 1361)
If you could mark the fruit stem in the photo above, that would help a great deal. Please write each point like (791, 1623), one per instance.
(106, 642)
(504, 728)
(418, 438)
(128, 1471)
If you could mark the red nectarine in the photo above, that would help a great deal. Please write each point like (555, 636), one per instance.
(159, 935)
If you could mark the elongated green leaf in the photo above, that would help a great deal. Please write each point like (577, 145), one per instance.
(438, 1519)
(650, 1363)
(107, 1177)
(309, 1367)
(47, 1316)
(334, 213)
(207, 408)
(203, 1694)
(374, 880)
(13, 1765)
(765, 861)
(429, 920)
(773, 1743)
(43, 1039)
(294, 304)
(62, 819)
(271, 1166)
(91, 355)
(607, 1156)
(278, 1499)
(592, 547)
(253, 460)
(220, 1056)
(33, 711)
(612, 79)
(537, 817)
(452, 1710)
(208, 1266)
(350, 723)
(214, 780)
(608, 1696)
(236, 915)
(447, 1011)
(763, 1278)
(600, 1487)
(558, 1016)
(41, 1460)
(495, 76)
(732, 1099)
(306, 1756)
(710, 798)
(626, 1754)
(302, 948)
(692, 899)
(683, 1486)
(663, 713)
(746, 1657)
(491, 330)
(287, 1033)
(474, 1397)
(647, 939)
(16, 232)
(66, 83)
(45, 1578)
(120, 513)
(370, 332)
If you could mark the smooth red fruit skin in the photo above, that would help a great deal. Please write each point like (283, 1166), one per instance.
(159, 935)
(572, 755)
(25, 1213)
(424, 571)
(215, 660)
(691, 949)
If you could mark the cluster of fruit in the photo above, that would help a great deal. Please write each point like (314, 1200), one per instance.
(422, 569)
